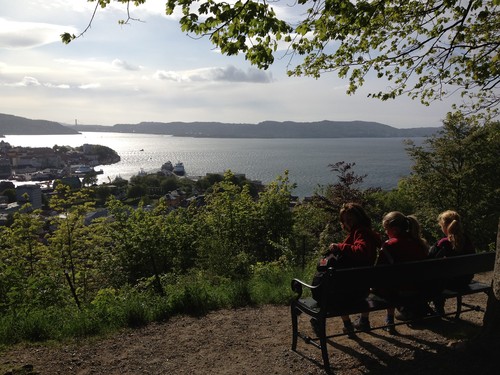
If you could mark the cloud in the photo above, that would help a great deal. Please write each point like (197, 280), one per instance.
(53, 86)
(170, 76)
(227, 74)
(291, 13)
(125, 65)
(89, 86)
(95, 66)
(26, 82)
(19, 35)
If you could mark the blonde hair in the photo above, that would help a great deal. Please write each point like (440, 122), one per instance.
(450, 220)
(405, 224)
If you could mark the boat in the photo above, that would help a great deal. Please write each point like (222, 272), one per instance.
(179, 169)
(167, 166)
(81, 169)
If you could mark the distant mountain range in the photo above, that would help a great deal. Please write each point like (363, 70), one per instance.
(268, 129)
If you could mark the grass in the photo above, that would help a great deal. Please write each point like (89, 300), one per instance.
(194, 294)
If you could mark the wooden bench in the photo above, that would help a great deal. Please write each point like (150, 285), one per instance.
(353, 280)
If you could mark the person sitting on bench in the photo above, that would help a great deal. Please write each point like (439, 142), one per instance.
(405, 244)
(455, 242)
(357, 250)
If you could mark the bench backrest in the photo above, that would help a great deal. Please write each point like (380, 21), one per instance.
(390, 276)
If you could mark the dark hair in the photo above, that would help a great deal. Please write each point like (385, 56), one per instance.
(357, 213)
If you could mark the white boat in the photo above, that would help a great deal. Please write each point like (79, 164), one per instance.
(167, 166)
(179, 169)
(81, 169)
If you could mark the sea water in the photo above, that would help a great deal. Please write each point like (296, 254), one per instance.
(383, 160)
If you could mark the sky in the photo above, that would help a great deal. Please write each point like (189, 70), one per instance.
(152, 71)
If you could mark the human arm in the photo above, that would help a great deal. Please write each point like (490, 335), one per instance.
(360, 248)
(441, 249)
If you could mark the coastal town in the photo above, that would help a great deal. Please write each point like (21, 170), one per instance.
(27, 173)
(44, 163)
(30, 175)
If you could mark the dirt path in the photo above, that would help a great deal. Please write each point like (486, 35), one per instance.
(256, 341)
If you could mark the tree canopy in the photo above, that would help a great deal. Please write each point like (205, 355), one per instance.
(425, 49)
(459, 167)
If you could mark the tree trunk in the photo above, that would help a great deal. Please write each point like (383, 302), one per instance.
(489, 337)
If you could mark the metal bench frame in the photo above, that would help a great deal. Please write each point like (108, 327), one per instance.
(352, 280)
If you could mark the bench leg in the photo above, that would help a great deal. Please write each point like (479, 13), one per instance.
(295, 327)
(459, 307)
(323, 343)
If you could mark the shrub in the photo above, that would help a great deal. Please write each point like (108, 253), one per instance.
(270, 283)
(125, 307)
(196, 294)
(9, 330)
(82, 324)
(36, 325)
(135, 312)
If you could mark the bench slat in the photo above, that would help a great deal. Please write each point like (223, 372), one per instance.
(413, 272)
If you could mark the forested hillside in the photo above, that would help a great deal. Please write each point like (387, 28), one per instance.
(19, 125)
(267, 129)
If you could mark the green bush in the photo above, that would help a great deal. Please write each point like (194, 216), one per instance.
(34, 326)
(136, 312)
(160, 309)
(47, 324)
(237, 293)
(126, 307)
(82, 324)
(107, 307)
(193, 294)
(9, 331)
(270, 283)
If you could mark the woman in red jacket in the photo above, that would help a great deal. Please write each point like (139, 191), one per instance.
(358, 249)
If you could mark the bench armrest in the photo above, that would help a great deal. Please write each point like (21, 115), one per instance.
(297, 287)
